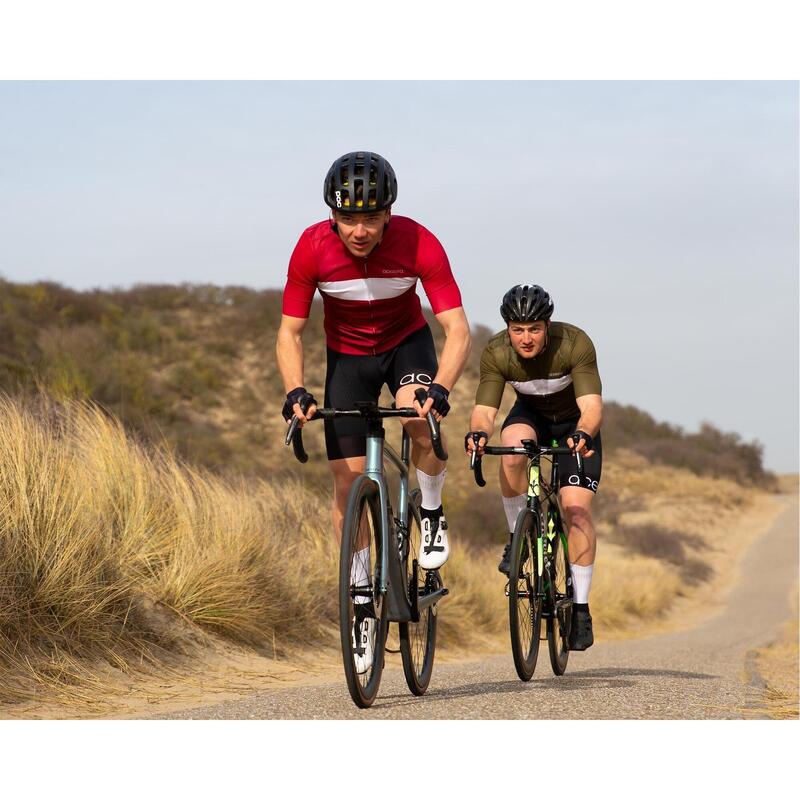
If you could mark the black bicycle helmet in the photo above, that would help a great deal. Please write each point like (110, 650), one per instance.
(526, 303)
(360, 182)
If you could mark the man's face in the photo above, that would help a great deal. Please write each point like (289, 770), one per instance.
(360, 232)
(528, 338)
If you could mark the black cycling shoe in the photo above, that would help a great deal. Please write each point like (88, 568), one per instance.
(505, 565)
(505, 562)
(580, 634)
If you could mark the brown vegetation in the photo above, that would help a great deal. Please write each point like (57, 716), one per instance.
(146, 495)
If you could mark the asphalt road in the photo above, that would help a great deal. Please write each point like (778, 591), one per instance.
(703, 673)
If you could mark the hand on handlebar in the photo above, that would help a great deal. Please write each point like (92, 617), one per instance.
(301, 404)
(581, 443)
(475, 439)
(436, 402)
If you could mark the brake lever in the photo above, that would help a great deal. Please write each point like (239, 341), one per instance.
(436, 439)
(295, 436)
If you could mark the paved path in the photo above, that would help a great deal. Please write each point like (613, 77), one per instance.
(702, 673)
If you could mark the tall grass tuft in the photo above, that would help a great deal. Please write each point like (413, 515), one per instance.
(116, 555)
(108, 551)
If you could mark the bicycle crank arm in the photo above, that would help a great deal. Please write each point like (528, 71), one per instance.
(429, 599)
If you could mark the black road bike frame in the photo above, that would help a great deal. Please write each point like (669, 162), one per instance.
(540, 492)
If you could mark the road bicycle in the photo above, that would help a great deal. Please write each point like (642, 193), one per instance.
(379, 576)
(540, 580)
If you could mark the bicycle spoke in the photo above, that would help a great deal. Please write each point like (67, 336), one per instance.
(418, 639)
(362, 612)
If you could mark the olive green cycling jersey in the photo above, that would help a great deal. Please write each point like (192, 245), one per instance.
(548, 382)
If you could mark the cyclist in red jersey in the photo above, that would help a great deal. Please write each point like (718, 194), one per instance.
(366, 262)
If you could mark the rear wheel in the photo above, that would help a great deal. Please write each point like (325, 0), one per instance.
(558, 625)
(362, 608)
(418, 639)
(524, 595)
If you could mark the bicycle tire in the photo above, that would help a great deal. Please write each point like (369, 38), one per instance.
(525, 595)
(418, 639)
(362, 514)
(561, 577)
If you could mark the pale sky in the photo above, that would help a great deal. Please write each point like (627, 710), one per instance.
(661, 216)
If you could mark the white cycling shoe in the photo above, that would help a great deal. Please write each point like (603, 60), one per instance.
(363, 641)
(434, 549)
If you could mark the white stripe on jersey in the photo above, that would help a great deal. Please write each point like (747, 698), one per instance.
(367, 288)
(543, 386)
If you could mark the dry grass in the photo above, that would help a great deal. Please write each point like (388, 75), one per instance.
(111, 554)
(778, 665)
(118, 558)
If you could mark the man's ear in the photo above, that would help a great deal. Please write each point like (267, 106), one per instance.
(334, 226)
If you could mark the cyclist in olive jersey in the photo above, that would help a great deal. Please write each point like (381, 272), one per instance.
(552, 367)
(366, 262)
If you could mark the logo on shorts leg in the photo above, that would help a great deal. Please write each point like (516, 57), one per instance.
(574, 480)
(416, 377)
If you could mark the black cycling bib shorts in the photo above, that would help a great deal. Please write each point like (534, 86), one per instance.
(361, 377)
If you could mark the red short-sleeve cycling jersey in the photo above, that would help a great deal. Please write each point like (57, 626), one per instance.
(371, 303)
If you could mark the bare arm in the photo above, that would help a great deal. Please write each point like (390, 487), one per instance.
(289, 352)
(482, 419)
(591, 408)
(457, 345)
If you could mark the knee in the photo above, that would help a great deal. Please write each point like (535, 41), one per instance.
(578, 516)
(513, 463)
(420, 434)
(343, 478)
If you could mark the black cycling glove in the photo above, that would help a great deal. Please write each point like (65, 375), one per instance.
(298, 395)
(475, 436)
(576, 438)
(439, 395)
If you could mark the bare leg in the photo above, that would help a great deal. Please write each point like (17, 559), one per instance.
(577, 504)
(513, 480)
(422, 455)
(345, 471)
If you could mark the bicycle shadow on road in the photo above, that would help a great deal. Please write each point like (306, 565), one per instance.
(605, 678)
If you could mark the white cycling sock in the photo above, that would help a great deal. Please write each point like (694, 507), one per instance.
(581, 582)
(431, 486)
(512, 507)
(359, 573)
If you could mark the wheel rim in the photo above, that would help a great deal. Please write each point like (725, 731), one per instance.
(525, 602)
(418, 638)
(528, 603)
(562, 591)
(360, 566)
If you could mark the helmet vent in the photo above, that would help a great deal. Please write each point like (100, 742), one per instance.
(360, 181)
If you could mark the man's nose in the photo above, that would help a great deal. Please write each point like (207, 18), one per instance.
(360, 230)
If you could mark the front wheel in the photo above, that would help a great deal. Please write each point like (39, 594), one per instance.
(418, 639)
(525, 594)
(363, 619)
(559, 622)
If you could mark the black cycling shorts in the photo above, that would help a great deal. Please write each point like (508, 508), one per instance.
(548, 431)
(357, 377)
